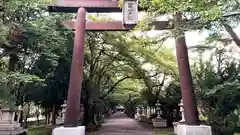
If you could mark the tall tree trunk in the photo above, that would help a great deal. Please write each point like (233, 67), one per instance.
(12, 62)
(25, 125)
(53, 114)
(188, 95)
(48, 117)
(86, 109)
(37, 115)
(21, 118)
(21, 115)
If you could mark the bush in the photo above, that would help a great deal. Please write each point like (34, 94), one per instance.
(221, 106)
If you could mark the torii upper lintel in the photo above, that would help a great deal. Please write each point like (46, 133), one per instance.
(71, 6)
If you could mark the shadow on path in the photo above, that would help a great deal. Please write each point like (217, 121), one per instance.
(120, 124)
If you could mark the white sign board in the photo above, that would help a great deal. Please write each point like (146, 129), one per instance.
(130, 12)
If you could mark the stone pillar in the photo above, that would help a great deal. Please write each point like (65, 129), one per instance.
(154, 110)
(19, 117)
(13, 116)
(19, 114)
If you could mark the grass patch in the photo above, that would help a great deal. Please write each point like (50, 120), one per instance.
(163, 131)
(42, 130)
(33, 123)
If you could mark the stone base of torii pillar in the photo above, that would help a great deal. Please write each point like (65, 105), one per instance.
(69, 131)
(194, 130)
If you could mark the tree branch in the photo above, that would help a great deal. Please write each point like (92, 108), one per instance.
(162, 82)
(230, 31)
(231, 14)
(113, 87)
(106, 68)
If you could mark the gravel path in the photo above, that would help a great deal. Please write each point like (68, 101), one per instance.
(120, 124)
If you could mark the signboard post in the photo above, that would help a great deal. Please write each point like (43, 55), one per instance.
(130, 12)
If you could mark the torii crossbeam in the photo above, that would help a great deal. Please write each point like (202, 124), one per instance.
(113, 25)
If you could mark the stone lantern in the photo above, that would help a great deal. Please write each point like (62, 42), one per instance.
(9, 122)
(137, 115)
(159, 122)
(182, 112)
(158, 109)
(62, 113)
(81, 115)
(143, 116)
(182, 121)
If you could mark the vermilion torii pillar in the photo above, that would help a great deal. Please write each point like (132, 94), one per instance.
(80, 26)
(76, 76)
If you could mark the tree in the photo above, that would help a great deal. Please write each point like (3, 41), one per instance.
(217, 88)
(3, 35)
(34, 40)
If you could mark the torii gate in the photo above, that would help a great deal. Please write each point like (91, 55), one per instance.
(80, 26)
